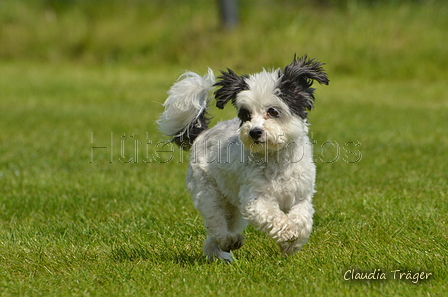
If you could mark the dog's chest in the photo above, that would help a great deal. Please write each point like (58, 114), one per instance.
(268, 181)
(282, 185)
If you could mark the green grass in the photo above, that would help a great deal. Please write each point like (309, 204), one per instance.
(71, 227)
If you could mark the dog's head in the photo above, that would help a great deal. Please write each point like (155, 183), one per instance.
(272, 106)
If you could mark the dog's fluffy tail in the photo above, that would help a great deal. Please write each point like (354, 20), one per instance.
(185, 115)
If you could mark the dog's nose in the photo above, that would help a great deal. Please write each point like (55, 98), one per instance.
(256, 133)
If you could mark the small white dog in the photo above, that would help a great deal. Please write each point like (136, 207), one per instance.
(256, 168)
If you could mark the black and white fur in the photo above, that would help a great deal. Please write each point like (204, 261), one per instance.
(256, 168)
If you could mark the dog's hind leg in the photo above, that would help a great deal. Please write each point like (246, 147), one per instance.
(213, 252)
(218, 222)
(236, 224)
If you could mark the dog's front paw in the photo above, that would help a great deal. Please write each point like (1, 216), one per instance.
(230, 242)
(285, 232)
(289, 235)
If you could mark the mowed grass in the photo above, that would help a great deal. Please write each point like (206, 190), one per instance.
(76, 219)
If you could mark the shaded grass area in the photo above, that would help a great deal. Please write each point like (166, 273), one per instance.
(71, 223)
(378, 41)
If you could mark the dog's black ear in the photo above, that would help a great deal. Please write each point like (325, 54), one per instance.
(231, 84)
(304, 71)
(296, 82)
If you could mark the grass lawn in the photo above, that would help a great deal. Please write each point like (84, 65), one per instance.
(91, 204)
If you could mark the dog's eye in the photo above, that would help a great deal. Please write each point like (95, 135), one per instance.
(272, 112)
(244, 115)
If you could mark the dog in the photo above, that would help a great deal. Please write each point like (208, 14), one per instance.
(257, 168)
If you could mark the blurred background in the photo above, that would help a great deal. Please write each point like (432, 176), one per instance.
(378, 39)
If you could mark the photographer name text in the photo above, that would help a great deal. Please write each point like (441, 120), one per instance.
(377, 274)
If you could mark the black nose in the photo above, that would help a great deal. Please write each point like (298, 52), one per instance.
(256, 133)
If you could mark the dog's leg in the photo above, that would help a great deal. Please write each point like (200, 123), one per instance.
(219, 224)
(302, 216)
(213, 252)
(267, 217)
(236, 224)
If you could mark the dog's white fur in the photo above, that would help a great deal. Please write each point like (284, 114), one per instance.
(194, 91)
(236, 179)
